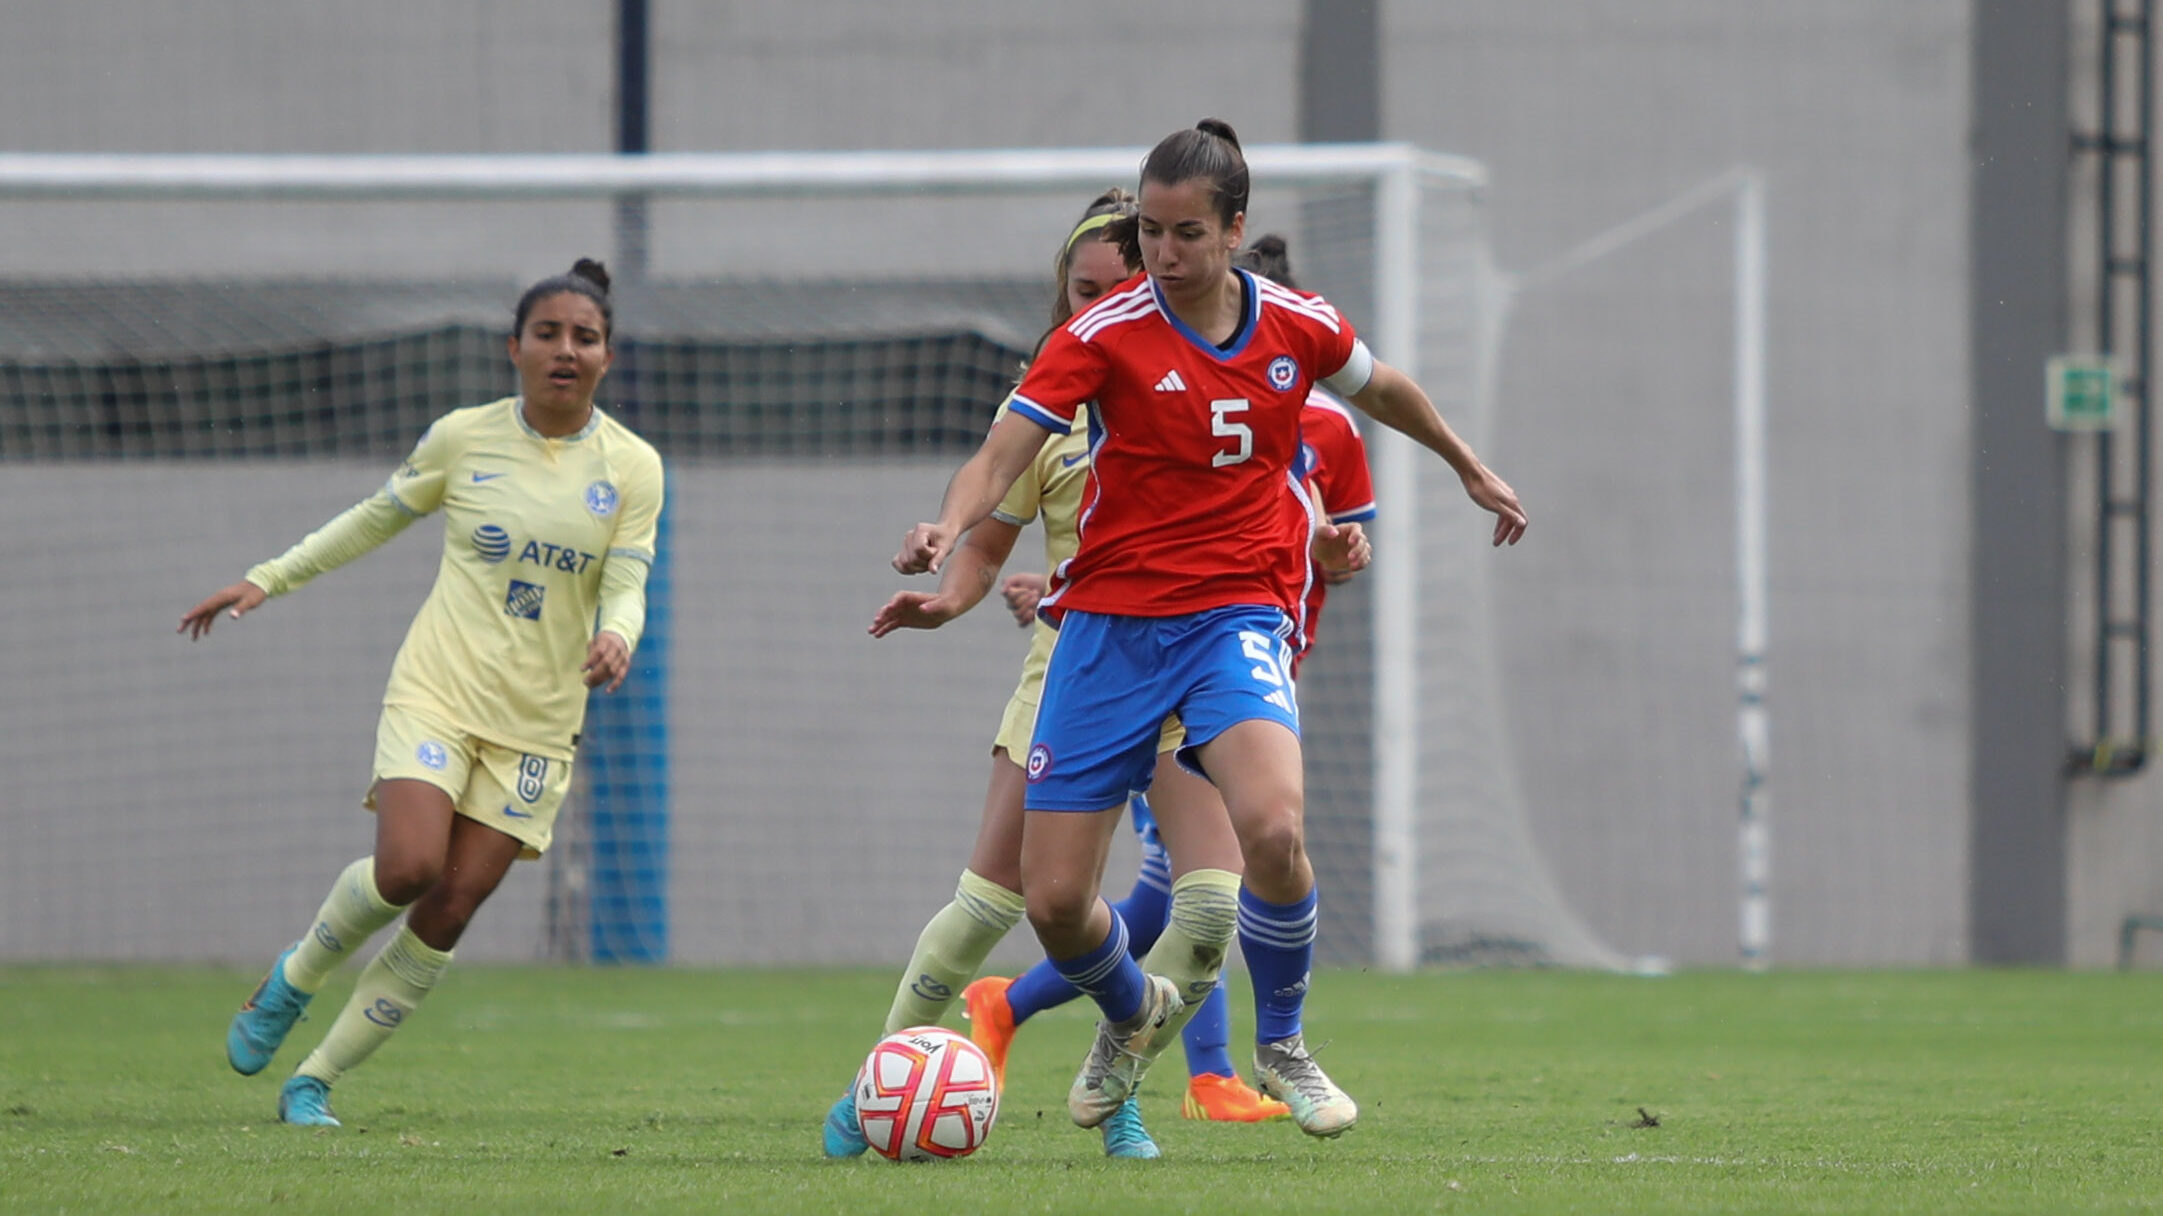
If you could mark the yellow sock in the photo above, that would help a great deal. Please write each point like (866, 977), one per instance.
(1190, 951)
(951, 948)
(352, 911)
(390, 986)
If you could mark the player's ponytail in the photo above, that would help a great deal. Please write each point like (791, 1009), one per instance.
(1221, 129)
(587, 278)
(1207, 151)
(1270, 258)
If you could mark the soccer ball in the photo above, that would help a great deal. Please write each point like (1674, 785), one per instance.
(926, 1094)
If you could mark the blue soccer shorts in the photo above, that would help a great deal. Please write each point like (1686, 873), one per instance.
(1114, 678)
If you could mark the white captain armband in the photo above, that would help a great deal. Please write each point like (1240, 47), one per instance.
(1356, 372)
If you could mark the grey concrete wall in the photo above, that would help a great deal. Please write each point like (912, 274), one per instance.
(495, 76)
(1614, 424)
(236, 76)
(1614, 380)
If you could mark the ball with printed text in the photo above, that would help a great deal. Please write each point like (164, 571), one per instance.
(926, 1094)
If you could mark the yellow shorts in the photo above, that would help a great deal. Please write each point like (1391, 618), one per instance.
(515, 793)
(1019, 721)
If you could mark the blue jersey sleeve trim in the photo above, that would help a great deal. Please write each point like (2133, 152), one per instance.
(1357, 515)
(1041, 416)
(400, 503)
(636, 555)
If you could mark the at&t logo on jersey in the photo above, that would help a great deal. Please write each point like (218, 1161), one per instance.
(432, 755)
(492, 543)
(601, 498)
(523, 600)
(1039, 762)
(1283, 373)
(559, 557)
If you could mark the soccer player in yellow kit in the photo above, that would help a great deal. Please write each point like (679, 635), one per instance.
(549, 509)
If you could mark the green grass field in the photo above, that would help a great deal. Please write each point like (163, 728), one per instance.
(539, 1090)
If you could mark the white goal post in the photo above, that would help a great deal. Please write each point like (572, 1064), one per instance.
(1455, 874)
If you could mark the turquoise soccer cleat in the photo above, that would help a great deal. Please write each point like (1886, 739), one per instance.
(1124, 1135)
(305, 1102)
(265, 1018)
(843, 1137)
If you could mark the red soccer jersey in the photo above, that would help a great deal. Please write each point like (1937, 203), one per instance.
(1337, 460)
(1193, 502)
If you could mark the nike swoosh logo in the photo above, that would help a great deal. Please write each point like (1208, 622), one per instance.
(515, 813)
(1068, 462)
(481, 477)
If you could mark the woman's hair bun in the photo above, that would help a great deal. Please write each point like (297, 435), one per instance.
(1219, 128)
(591, 271)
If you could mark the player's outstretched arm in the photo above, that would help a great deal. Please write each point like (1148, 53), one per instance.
(1394, 400)
(963, 582)
(239, 599)
(355, 531)
(975, 491)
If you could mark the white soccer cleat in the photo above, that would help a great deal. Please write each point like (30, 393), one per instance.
(1113, 1070)
(1283, 1070)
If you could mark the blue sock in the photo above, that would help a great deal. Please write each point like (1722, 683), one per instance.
(1146, 910)
(1278, 942)
(1209, 1034)
(1108, 975)
(1039, 988)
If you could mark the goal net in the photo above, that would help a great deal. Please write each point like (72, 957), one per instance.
(201, 359)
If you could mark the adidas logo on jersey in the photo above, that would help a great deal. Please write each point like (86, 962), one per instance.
(1171, 383)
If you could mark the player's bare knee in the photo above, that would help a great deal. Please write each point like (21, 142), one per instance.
(1061, 912)
(441, 916)
(404, 880)
(1274, 851)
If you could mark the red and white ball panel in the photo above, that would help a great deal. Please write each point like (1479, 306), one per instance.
(926, 1094)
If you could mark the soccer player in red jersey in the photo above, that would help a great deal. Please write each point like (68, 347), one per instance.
(1204, 882)
(1334, 463)
(1185, 596)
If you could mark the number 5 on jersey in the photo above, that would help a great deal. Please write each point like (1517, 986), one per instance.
(1220, 423)
(1268, 668)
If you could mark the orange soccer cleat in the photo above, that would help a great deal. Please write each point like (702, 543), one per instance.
(1229, 1100)
(991, 1020)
